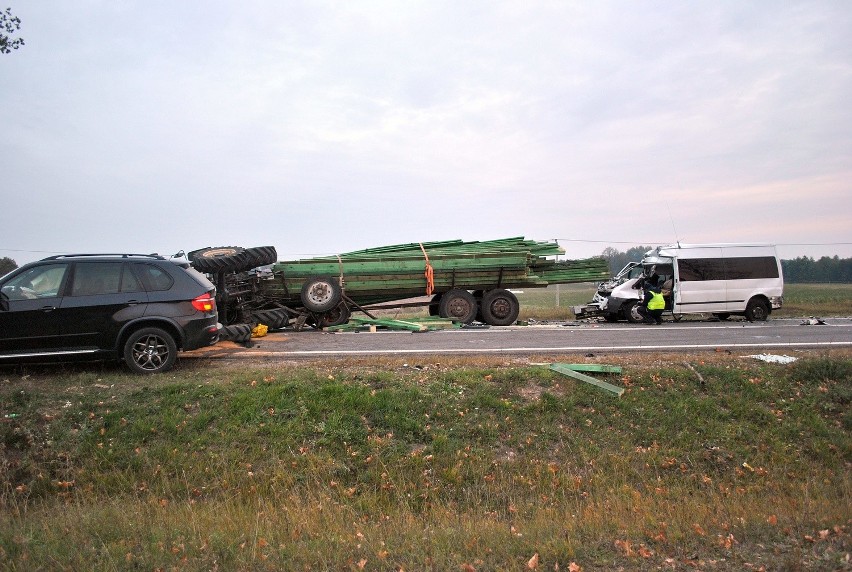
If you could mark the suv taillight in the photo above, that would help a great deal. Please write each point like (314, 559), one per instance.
(204, 303)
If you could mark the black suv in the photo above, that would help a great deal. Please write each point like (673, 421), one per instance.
(138, 307)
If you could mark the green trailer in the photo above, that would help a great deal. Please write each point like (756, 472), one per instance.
(462, 281)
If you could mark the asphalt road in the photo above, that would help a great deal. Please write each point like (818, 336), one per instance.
(583, 337)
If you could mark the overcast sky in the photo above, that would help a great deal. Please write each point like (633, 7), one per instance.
(324, 127)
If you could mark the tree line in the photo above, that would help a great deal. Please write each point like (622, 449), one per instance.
(798, 270)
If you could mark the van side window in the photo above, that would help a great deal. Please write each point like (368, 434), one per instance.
(742, 268)
(751, 267)
(699, 269)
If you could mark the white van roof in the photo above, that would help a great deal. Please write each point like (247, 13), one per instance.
(676, 250)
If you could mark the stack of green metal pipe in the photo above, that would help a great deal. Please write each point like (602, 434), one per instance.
(398, 271)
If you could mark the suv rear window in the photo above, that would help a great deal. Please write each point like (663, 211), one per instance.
(154, 278)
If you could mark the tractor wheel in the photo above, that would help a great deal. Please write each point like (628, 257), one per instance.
(273, 319)
(237, 333)
(220, 259)
(261, 256)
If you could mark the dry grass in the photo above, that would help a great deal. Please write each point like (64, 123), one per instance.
(446, 464)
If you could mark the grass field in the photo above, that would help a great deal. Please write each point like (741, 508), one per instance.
(443, 464)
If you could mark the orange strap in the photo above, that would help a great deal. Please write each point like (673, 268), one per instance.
(430, 274)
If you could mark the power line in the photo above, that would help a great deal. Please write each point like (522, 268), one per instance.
(666, 242)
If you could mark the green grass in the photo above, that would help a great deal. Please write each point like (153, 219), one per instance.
(817, 300)
(379, 466)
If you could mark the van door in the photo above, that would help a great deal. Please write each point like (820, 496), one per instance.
(701, 285)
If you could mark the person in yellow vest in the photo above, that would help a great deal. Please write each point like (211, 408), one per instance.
(654, 303)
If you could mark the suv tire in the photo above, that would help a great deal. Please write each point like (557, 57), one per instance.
(150, 350)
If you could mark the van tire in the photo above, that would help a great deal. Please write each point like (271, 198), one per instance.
(757, 310)
(631, 312)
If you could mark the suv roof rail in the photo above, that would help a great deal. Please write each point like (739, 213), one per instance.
(118, 254)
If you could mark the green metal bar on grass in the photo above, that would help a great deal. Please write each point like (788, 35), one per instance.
(566, 369)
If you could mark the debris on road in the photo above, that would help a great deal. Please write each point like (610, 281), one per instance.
(412, 325)
(771, 358)
(812, 321)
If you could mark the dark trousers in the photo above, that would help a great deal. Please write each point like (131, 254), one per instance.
(651, 316)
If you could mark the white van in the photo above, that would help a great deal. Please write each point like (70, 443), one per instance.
(718, 279)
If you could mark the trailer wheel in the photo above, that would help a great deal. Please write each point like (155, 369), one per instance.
(458, 305)
(631, 312)
(435, 305)
(321, 294)
(756, 310)
(500, 307)
(335, 317)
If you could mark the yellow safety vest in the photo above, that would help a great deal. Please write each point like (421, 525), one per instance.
(656, 302)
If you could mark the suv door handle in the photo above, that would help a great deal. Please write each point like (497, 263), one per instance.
(48, 308)
(132, 302)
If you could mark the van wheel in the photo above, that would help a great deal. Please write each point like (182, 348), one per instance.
(150, 350)
(631, 312)
(756, 311)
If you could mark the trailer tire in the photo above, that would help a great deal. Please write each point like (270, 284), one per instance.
(335, 317)
(435, 305)
(631, 312)
(458, 305)
(499, 307)
(320, 294)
